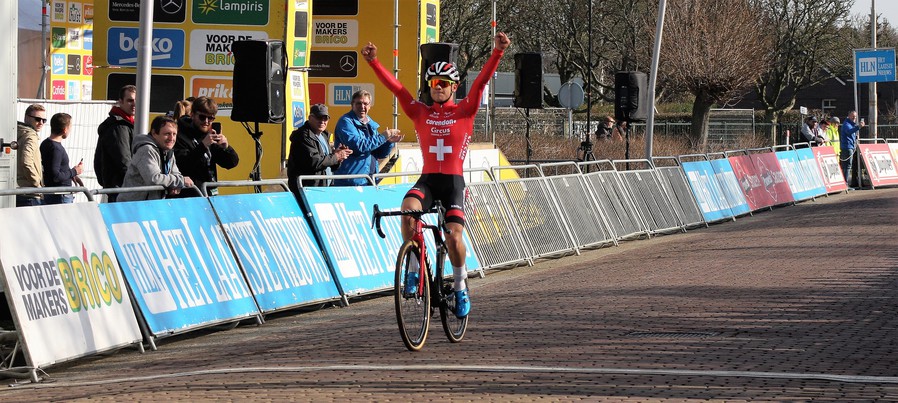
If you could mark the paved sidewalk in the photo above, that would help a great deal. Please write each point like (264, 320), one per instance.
(798, 303)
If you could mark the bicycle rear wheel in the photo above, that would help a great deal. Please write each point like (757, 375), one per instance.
(412, 310)
(452, 325)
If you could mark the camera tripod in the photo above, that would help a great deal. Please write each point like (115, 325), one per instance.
(584, 151)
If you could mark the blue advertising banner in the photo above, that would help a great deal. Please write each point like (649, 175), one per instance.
(174, 256)
(276, 248)
(874, 65)
(803, 183)
(730, 186)
(362, 261)
(471, 261)
(708, 193)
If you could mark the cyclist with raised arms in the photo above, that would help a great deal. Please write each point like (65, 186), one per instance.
(444, 132)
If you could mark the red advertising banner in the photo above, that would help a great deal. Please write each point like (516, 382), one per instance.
(749, 182)
(880, 166)
(828, 164)
(772, 177)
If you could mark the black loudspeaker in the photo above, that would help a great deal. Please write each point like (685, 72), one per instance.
(630, 92)
(259, 77)
(528, 80)
(430, 54)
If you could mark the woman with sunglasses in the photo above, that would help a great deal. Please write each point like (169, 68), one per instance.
(444, 132)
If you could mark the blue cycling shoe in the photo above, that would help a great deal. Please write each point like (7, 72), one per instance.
(462, 304)
(411, 283)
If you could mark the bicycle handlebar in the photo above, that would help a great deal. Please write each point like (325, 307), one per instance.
(378, 213)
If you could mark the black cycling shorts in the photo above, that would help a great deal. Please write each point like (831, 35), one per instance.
(448, 189)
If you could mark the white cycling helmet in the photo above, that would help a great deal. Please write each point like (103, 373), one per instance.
(442, 69)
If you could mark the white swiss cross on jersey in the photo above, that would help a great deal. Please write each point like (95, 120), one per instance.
(440, 150)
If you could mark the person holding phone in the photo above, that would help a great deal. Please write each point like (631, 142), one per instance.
(200, 148)
(55, 160)
(848, 141)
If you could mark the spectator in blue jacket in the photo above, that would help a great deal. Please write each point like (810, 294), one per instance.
(358, 131)
(847, 143)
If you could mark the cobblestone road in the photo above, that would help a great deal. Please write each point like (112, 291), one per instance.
(798, 303)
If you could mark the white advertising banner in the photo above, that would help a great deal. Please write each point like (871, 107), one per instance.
(63, 284)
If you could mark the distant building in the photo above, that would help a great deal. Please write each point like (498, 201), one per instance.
(835, 97)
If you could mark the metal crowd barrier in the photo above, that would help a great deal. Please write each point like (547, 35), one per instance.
(650, 198)
(334, 177)
(48, 190)
(537, 213)
(720, 203)
(614, 200)
(246, 183)
(728, 183)
(497, 239)
(674, 182)
(587, 224)
(148, 188)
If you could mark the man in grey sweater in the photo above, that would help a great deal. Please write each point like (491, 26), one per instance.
(153, 163)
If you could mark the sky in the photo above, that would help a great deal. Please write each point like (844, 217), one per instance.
(884, 8)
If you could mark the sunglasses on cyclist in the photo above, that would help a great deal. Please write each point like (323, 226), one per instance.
(439, 83)
(38, 119)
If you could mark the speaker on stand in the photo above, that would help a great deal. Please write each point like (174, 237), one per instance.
(430, 54)
(528, 87)
(259, 85)
(630, 90)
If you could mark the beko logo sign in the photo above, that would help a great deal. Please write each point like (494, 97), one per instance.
(168, 47)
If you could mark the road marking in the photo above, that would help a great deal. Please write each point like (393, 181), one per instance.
(493, 369)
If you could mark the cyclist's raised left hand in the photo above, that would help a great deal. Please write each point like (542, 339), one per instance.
(369, 52)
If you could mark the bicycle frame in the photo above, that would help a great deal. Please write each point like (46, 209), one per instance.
(418, 235)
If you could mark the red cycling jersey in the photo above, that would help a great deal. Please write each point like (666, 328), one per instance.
(444, 130)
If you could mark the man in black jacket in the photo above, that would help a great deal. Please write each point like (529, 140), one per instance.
(113, 153)
(310, 151)
(199, 149)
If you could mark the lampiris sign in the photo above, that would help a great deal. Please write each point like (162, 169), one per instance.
(232, 12)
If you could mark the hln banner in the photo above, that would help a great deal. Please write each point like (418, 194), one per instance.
(874, 65)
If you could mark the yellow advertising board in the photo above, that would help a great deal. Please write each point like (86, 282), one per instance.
(297, 48)
(71, 49)
(339, 29)
(191, 58)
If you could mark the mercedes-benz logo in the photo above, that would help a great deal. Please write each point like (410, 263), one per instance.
(171, 6)
(347, 63)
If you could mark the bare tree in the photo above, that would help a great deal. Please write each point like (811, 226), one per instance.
(807, 48)
(710, 49)
(467, 23)
(558, 30)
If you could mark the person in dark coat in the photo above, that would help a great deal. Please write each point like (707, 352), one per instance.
(113, 153)
(200, 150)
(311, 152)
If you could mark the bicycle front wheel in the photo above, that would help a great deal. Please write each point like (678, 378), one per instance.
(452, 325)
(412, 308)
